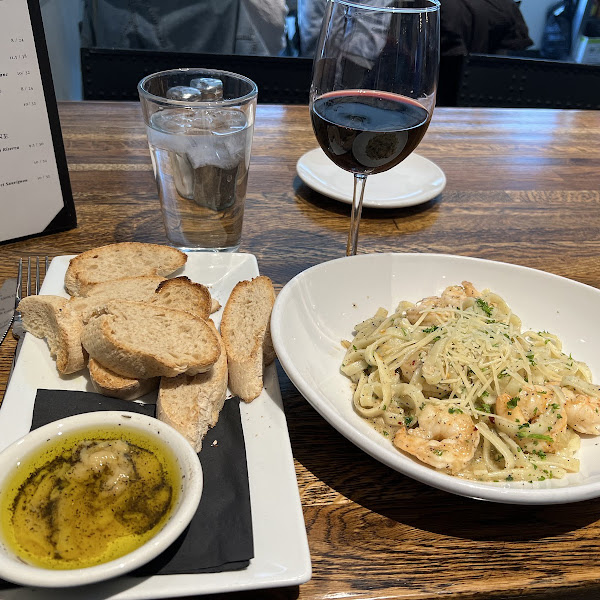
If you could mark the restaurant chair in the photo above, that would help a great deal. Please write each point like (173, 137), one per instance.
(476, 80)
(113, 74)
(514, 82)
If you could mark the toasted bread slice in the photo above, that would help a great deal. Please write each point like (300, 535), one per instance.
(50, 317)
(182, 294)
(141, 340)
(116, 261)
(191, 404)
(107, 383)
(137, 289)
(245, 329)
(179, 293)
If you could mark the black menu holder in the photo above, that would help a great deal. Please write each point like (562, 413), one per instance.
(35, 191)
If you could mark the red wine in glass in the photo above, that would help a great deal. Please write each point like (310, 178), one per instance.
(368, 131)
(373, 86)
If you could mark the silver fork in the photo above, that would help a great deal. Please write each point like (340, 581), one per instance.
(32, 286)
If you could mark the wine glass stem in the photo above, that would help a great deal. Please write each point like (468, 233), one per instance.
(360, 181)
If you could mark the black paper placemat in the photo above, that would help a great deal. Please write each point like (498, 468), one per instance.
(219, 538)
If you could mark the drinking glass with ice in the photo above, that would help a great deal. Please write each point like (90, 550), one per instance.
(200, 124)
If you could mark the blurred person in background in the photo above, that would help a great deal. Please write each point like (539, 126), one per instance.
(467, 26)
(250, 27)
(482, 27)
(311, 14)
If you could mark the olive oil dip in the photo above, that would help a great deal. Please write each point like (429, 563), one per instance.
(89, 498)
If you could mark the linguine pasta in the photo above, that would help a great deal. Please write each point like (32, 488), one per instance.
(454, 382)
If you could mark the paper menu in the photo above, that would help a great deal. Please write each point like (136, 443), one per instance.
(35, 195)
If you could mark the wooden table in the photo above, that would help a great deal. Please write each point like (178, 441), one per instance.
(523, 187)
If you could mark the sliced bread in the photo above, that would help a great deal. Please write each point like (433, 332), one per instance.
(179, 293)
(137, 289)
(50, 317)
(191, 404)
(108, 383)
(245, 329)
(116, 261)
(182, 294)
(141, 340)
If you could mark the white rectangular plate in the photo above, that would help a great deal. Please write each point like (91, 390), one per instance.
(281, 554)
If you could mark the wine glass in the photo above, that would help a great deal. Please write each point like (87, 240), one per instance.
(373, 87)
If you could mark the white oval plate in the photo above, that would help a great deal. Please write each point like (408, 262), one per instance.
(413, 181)
(320, 306)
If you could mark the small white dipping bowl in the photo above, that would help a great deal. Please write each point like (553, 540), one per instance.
(14, 569)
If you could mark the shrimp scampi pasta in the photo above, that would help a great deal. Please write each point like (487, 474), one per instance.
(454, 382)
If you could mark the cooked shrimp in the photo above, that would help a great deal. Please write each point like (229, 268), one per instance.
(453, 296)
(445, 438)
(583, 412)
(535, 418)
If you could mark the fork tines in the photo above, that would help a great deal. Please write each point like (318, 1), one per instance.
(33, 277)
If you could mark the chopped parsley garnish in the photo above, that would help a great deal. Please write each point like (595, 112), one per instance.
(453, 410)
(483, 407)
(512, 403)
(534, 436)
(510, 478)
(531, 359)
(408, 420)
(484, 306)
(431, 329)
(438, 452)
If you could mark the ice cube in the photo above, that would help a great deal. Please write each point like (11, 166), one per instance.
(182, 92)
(211, 88)
(207, 137)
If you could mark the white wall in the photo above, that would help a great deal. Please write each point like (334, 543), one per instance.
(61, 28)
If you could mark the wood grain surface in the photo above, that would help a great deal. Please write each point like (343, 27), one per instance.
(522, 187)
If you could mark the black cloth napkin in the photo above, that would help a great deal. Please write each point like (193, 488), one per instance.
(219, 538)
